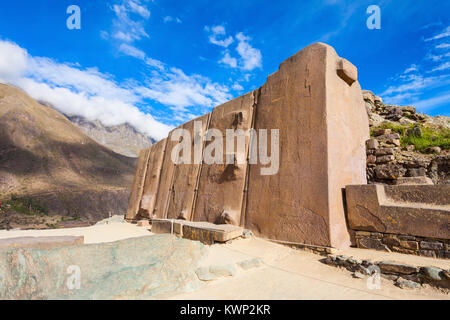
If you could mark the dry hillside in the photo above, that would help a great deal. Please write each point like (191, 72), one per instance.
(45, 157)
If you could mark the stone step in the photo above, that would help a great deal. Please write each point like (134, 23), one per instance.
(41, 242)
(205, 232)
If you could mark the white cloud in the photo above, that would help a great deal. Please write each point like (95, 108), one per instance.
(249, 58)
(417, 80)
(178, 91)
(125, 28)
(104, 35)
(215, 33)
(411, 69)
(137, 53)
(237, 87)
(185, 95)
(75, 91)
(155, 63)
(13, 61)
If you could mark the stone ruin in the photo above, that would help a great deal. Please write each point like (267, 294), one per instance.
(316, 103)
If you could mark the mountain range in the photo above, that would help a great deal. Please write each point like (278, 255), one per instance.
(47, 158)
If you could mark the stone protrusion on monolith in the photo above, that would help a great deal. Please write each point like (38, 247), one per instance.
(313, 104)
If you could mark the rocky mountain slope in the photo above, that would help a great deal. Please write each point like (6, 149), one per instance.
(123, 139)
(49, 166)
(406, 147)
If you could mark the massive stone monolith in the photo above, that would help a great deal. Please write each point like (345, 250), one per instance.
(315, 102)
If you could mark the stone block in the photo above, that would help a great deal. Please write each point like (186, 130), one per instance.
(412, 245)
(143, 223)
(385, 159)
(371, 159)
(382, 132)
(433, 273)
(417, 172)
(421, 211)
(384, 151)
(136, 268)
(391, 136)
(427, 253)
(160, 226)
(347, 71)
(370, 243)
(396, 268)
(372, 144)
(138, 185)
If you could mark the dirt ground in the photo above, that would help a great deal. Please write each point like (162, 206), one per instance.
(285, 273)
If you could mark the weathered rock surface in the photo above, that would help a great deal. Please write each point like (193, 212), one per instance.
(136, 268)
(422, 211)
(315, 102)
(406, 161)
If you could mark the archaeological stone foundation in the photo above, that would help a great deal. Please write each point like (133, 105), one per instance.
(315, 102)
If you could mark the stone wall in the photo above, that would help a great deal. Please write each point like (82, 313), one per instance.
(315, 102)
(427, 247)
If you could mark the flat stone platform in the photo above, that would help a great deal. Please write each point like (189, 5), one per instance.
(205, 232)
(41, 242)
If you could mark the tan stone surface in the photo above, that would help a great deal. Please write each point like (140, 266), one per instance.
(41, 242)
(315, 111)
(138, 184)
(152, 179)
(221, 186)
(316, 103)
(143, 223)
(371, 208)
(205, 232)
(185, 178)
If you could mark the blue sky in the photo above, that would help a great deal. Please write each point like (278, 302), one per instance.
(156, 64)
